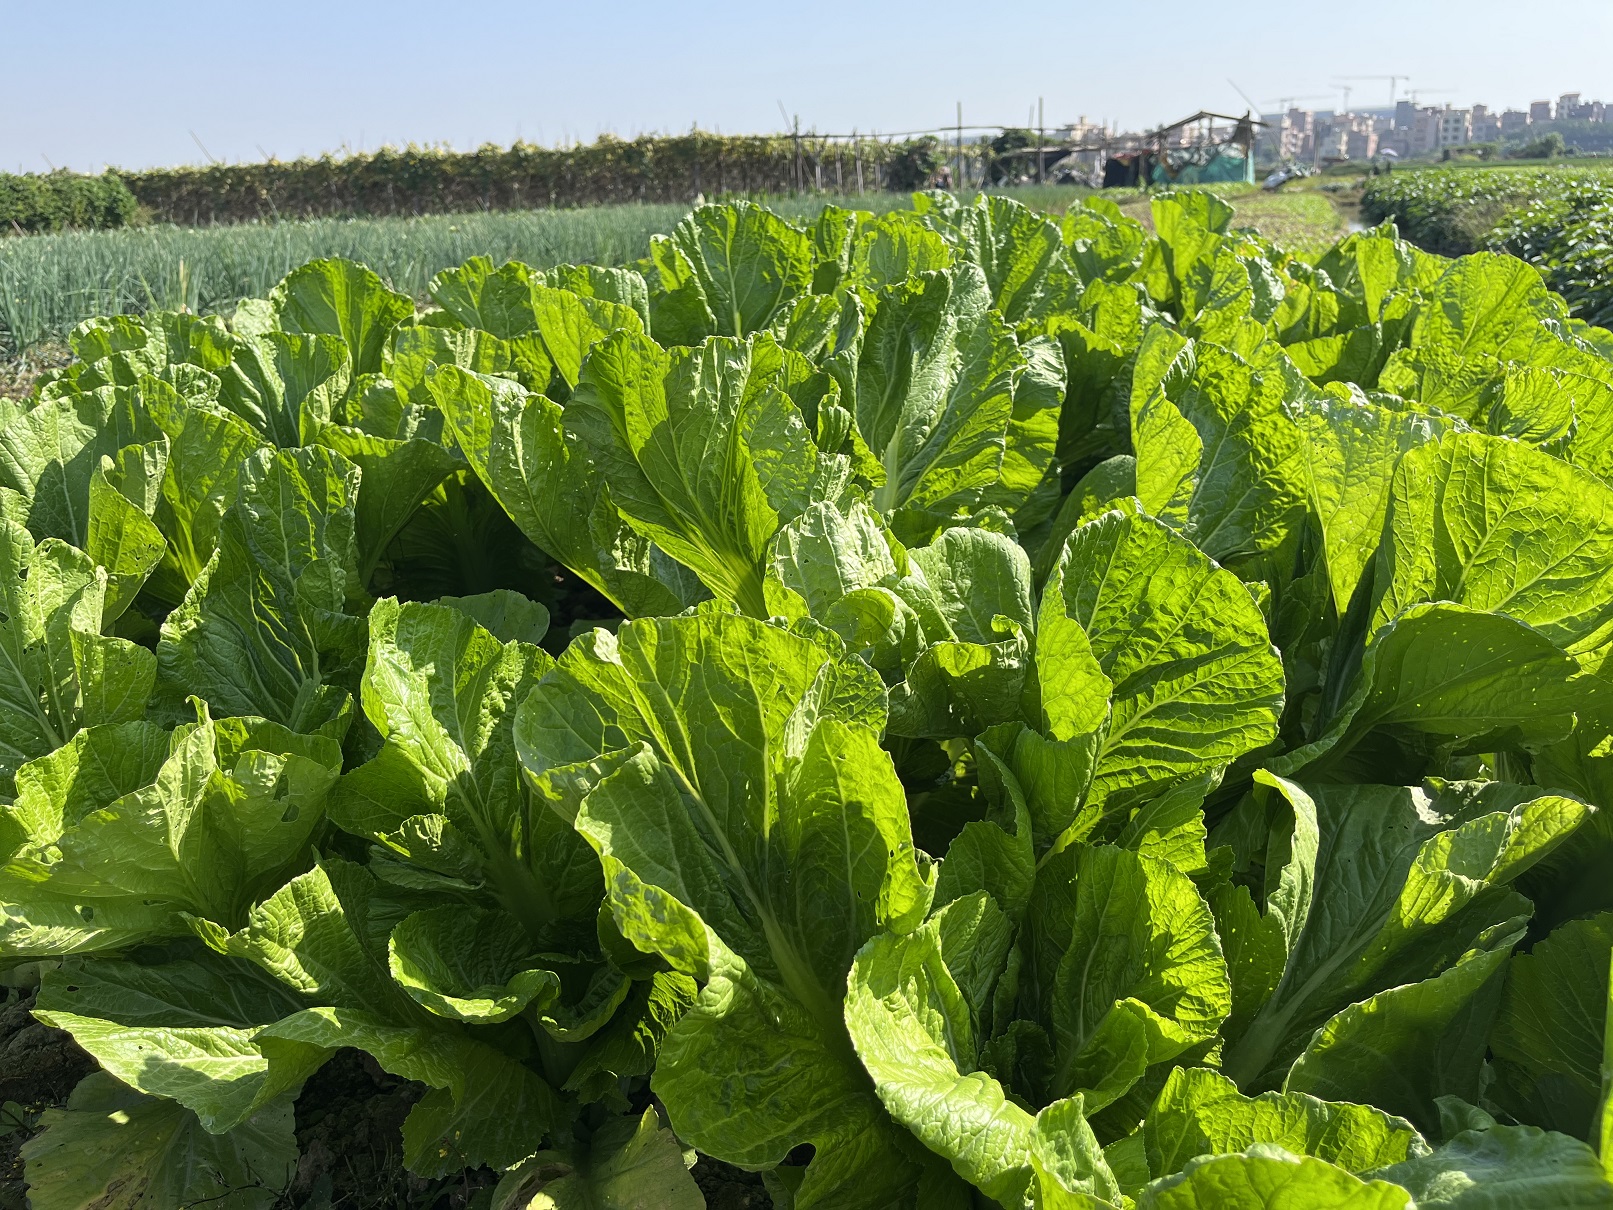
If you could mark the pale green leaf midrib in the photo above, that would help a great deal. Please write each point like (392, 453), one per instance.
(794, 970)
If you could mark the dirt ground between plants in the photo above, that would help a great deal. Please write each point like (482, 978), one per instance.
(349, 1130)
(38, 1068)
(17, 374)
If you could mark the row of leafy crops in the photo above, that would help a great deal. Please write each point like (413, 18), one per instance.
(1569, 238)
(1452, 210)
(947, 709)
(1559, 220)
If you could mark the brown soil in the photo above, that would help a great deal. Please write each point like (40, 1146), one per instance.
(349, 1120)
(349, 1130)
(17, 374)
(728, 1188)
(38, 1068)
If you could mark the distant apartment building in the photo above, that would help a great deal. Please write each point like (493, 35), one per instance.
(1362, 144)
(1272, 139)
(1571, 108)
(1397, 141)
(1455, 127)
(1346, 136)
(1081, 131)
(1303, 124)
(1411, 130)
(1333, 142)
(1424, 131)
(1289, 136)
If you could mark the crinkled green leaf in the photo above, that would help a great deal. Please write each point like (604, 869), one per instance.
(396, 476)
(892, 248)
(201, 825)
(443, 693)
(264, 629)
(341, 298)
(1506, 1168)
(1351, 451)
(180, 1029)
(704, 450)
(498, 301)
(1121, 964)
(914, 1031)
(1266, 1177)
(270, 378)
(1548, 1040)
(971, 593)
(1406, 881)
(1488, 303)
(1201, 1112)
(629, 1164)
(1493, 525)
(51, 453)
(1016, 248)
(1193, 679)
(58, 673)
(468, 964)
(1403, 1047)
(959, 413)
(1445, 677)
(827, 552)
(207, 449)
(518, 446)
(1218, 453)
(122, 537)
(731, 858)
(750, 264)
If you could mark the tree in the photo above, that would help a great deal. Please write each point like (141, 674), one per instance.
(1547, 146)
(1007, 154)
(915, 164)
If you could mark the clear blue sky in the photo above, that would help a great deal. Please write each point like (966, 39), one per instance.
(88, 84)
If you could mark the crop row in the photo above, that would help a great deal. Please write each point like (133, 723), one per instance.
(1559, 220)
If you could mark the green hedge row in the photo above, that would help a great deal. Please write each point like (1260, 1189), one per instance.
(56, 201)
(424, 181)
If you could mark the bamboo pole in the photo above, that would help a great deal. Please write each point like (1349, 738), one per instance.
(1040, 136)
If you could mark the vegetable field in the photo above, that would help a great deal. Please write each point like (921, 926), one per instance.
(946, 709)
(1558, 219)
(50, 283)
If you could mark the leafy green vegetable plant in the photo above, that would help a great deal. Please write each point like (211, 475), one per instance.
(949, 709)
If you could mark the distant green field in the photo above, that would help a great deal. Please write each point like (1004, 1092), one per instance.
(48, 283)
(1452, 210)
(1303, 220)
(1558, 217)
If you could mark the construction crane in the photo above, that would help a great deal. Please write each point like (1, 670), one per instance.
(1415, 92)
(1246, 100)
(1284, 104)
(1394, 83)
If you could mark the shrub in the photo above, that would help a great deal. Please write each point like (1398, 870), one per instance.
(60, 201)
